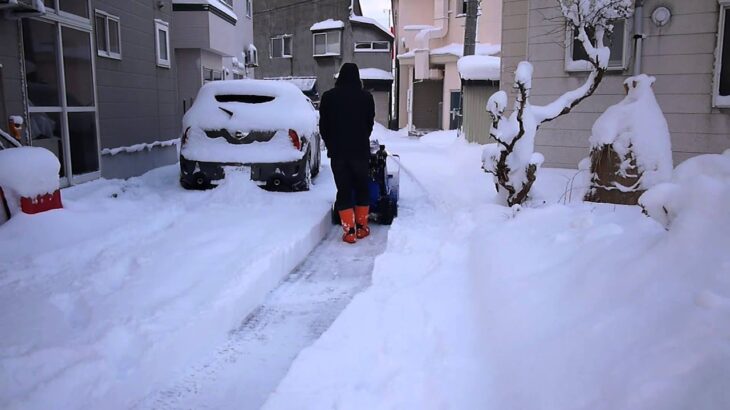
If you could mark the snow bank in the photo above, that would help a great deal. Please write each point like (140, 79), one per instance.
(328, 24)
(699, 190)
(457, 49)
(135, 280)
(637, 125)
(28, 171)
(477, 306)
(140, 147)
(479, 67)
(372, 22)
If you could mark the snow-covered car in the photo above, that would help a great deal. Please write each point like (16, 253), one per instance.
(269, 126)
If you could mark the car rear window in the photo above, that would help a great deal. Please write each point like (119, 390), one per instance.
(244, 98)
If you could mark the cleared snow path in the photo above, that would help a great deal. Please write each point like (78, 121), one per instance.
(245, 370)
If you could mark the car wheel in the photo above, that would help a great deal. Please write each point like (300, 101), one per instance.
(308, 173)
(317, 161)
(388, 211)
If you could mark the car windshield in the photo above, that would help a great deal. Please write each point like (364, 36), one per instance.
(244, 98)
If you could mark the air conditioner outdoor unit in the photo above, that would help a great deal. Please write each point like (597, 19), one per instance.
(17, 9)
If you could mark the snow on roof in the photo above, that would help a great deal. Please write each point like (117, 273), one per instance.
(412, 27)
(328, 24)
(303, 83)
(372, 22)
(290, 109)
(216, 4)
(457, 49)
(479, 67)
(28, 171)
(373, 74)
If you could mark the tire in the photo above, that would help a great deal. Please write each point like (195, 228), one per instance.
(388, 211)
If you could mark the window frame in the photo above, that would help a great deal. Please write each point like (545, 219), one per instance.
(249, 8)
(371, 49)
(577, 66)
(282, 38)
(720, 101)
(161, 25)
(108, 53)
(227, 3)
(327, 33)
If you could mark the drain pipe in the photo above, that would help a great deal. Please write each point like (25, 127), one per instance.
(638, 35)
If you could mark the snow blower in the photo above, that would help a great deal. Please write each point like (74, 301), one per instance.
(384, 185)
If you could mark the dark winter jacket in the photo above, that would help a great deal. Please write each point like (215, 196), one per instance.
(346, 116)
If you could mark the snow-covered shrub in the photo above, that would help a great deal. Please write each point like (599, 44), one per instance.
(27, 172)
(630, 146)
(512, 159)
(699, 189)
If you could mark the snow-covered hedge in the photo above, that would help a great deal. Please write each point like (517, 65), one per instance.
(699, 190)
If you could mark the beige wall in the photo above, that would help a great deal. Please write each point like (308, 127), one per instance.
(680, 55)
(421, 12)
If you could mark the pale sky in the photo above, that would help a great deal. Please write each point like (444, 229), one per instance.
(377, 9)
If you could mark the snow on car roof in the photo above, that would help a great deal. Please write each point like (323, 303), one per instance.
(289, 108)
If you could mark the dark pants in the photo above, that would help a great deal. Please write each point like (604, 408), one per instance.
(352, 181)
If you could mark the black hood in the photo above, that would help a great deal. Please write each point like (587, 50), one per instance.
(349, 76)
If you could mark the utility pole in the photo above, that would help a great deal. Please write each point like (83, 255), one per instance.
(470, 45)
(470, 31)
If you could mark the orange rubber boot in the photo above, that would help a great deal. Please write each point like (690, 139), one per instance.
(347, 218)
(361, 221)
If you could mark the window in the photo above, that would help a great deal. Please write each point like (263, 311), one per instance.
(108, 40)
(326, 44)
(281, 46)
(721, 86)
(372, 46)
(576, 59)
(249, 8)
(228, 3)
(162, 41)
(464, 7)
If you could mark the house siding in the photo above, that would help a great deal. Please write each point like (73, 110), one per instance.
(680, 55)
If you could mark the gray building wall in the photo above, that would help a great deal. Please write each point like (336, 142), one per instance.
(680, 55)
(11, 92)
(277, 17)
(137, 99)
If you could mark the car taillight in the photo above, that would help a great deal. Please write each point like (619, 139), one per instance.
(295, 139)
(184, 139)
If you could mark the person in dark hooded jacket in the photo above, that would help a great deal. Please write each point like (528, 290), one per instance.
(346, 118)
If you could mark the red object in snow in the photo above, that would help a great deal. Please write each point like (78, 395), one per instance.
(41, 203)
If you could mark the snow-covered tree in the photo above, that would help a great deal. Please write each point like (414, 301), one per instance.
(512, 159)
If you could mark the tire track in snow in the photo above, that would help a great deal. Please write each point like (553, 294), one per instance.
(242, 373)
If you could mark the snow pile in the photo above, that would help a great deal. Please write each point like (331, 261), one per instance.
(636, 127)
(457, 49)
(140, 147)
(699, 190)
(216, 4)
(289, 109)
(303, 83)
(328, 24)
(477, 306)
(135, 280)
(28, 171)
(372, 22)
(478, 67)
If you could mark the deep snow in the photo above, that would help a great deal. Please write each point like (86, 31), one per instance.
(102, 301)
(551, 306)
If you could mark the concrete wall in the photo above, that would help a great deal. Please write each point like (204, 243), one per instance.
(680, 55)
